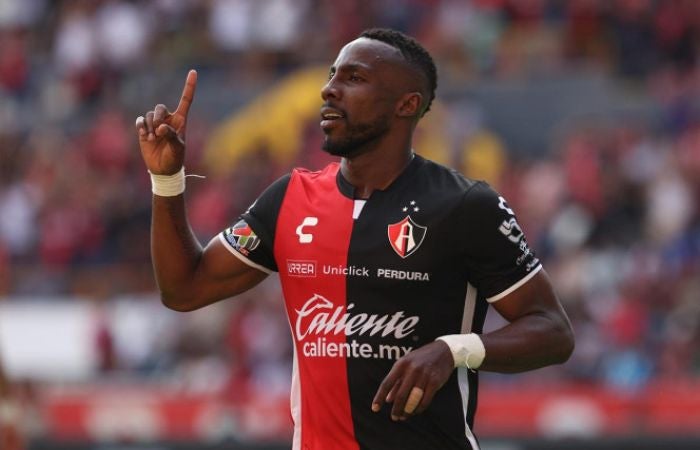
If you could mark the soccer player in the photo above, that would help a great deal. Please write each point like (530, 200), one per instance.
(388, 263)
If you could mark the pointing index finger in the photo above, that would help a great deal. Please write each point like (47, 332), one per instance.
(187, 94)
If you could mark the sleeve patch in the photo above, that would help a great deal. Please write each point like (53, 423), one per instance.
(242, 238)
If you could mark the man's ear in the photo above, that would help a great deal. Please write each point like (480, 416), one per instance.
(410, 105)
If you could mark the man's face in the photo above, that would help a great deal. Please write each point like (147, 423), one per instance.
(360, 96)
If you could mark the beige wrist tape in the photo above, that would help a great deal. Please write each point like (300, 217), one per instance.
(467, 349)
(168, 185)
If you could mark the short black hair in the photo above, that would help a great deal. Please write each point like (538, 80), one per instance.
(412, 51)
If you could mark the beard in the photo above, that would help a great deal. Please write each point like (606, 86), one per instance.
(355, 139)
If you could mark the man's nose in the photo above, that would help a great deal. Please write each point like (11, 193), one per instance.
(330, 90)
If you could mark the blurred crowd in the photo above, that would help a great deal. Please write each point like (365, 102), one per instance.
(610, 206)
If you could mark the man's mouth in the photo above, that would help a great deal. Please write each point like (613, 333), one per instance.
(330, 116)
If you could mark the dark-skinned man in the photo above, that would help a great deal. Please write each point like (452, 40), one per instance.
(388, 263)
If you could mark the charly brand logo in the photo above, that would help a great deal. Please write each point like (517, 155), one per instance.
(308, 222)
(406, 236)
(242, 237)
(319, 316)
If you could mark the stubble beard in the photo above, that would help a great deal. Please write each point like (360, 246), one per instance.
(355, 140)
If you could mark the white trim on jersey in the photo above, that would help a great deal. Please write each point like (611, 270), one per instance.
(357, 208)
(463, 381)
(462, 372)
(242, 257)
(522, 281)
(295, 402)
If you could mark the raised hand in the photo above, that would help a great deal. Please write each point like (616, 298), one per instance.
(162, 133)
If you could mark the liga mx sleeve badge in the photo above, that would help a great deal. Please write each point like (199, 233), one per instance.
(242, 237)
(406, 236)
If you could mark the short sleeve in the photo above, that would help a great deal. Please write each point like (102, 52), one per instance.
(497, 256)
(252, 237)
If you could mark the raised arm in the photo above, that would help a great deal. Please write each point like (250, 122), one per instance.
(188, 276)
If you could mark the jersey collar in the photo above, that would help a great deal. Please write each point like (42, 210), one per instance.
(348, 190)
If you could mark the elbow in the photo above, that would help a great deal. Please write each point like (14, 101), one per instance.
(566, 343)
(176, 302)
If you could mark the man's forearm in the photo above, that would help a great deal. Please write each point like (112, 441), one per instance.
(174, 248)
(531, 342)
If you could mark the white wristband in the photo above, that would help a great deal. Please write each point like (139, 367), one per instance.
(467, 349)
(168, 185)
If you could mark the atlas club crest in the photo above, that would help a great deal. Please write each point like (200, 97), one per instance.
(406, 236)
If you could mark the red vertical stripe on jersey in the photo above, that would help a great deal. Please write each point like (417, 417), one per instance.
(313, 232)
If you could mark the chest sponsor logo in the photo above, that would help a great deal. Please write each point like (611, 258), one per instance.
(301, 268)
(355, 271)
(319, 316)
(406, 236)
(319, 319)
(305, 237)
(393, 274)
(242, 237)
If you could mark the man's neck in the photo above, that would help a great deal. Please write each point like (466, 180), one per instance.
(375, 170)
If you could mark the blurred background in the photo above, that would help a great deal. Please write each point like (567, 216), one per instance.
(585, 114)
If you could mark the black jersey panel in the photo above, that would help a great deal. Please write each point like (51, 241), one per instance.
(407, 270)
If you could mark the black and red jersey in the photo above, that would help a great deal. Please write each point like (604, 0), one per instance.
(367, 281)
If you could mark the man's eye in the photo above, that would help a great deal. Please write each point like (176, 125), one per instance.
(354, 77)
